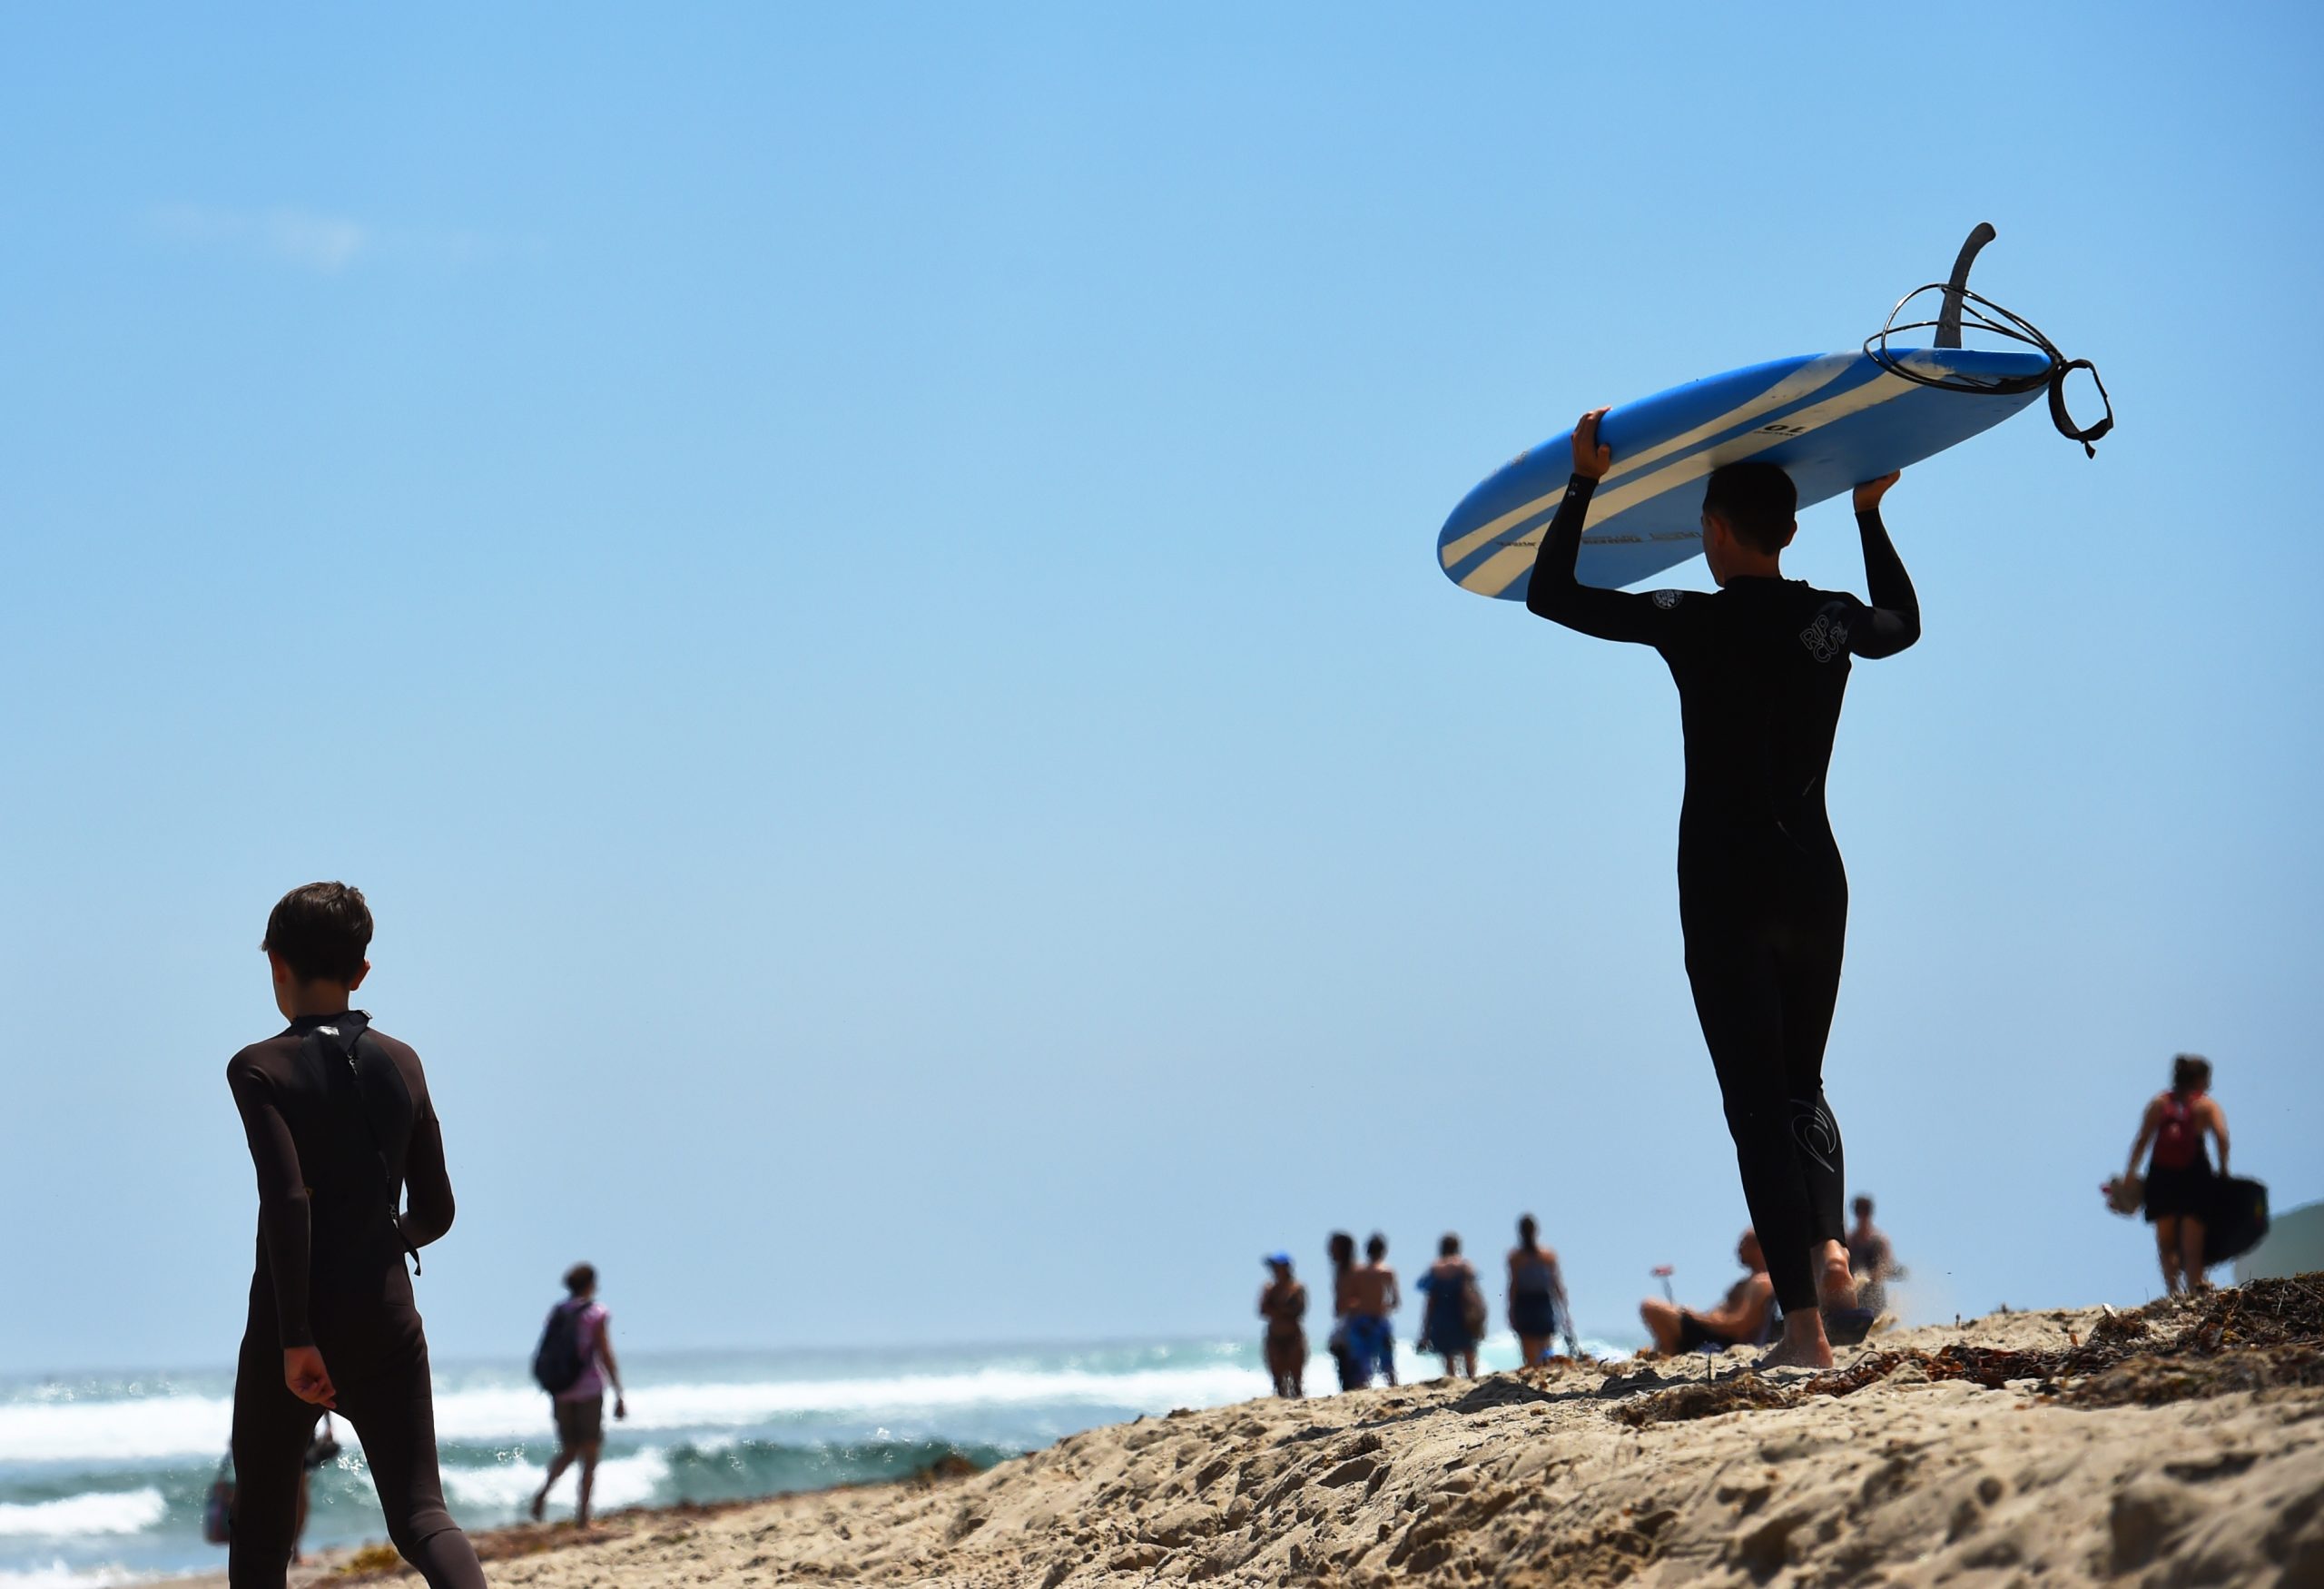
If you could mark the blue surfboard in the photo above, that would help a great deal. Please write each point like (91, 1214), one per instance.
(1830, 420)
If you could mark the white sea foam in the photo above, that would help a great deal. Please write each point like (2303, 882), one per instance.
(107, 1431)
(57, 1575)
(166, 1426)
(97, 1512)
(186, 1426)
(621, 1481)
(486, 1415)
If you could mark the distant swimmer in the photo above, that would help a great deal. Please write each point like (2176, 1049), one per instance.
(1761, 664)
(574, 1363)
(2180, 1184)
(1455, 1319)
(1742, 1320)
(1377, 1297)
(1283, 1302)
(341, 1128)
(1537, 1300)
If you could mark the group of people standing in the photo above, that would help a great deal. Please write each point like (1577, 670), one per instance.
(1365, 1297)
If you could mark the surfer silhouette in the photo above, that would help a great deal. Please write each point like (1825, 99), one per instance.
(1761, 664)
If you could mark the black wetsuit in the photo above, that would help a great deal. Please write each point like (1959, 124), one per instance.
(331, 1165)
(1763, 899)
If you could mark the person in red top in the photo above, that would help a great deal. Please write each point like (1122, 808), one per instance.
(2180, 1180)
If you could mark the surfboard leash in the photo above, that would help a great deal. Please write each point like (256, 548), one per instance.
(1981, 313)
(1984, 315)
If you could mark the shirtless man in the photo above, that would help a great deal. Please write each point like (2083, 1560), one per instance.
(1740, 1321)
(1373, 1299)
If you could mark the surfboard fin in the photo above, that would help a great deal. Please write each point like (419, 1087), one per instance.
(1948, 319)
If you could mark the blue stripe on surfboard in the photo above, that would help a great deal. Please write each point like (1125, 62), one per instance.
(1847, 381)
(1640, 430)
(1682, 467)
(1825, 463)
(1904, 425)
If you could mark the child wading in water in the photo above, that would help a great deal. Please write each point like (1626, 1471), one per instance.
(1760, 665)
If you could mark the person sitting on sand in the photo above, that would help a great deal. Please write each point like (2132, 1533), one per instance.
(1377, 1297)
(2180, 1180)
(1741, 1320)
(1455, 1316)
(580, 1407)
(1536, 1294)
(1870, 1261)
(1283, 1302)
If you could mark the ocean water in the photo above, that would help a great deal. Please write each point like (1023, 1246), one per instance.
(102, 1478)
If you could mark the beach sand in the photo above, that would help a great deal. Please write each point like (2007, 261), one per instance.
(2179, 1445)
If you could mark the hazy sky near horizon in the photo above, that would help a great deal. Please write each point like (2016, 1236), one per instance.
(855, 585)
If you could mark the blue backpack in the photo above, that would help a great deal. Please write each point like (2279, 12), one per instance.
(556, 1361)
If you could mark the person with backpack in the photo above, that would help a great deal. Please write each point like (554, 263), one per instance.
(342, 1133)
(2180, 1184)
(573, 1363)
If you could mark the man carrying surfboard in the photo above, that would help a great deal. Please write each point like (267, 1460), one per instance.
(1761, 664)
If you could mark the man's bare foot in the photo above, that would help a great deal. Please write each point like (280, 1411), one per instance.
(539, 1505)
(1803, 1345)
(1834, 1282)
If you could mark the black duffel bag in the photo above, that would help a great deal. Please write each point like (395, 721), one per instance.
(2237, 1221)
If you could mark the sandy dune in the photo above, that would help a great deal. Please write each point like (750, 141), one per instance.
(2184, 1446)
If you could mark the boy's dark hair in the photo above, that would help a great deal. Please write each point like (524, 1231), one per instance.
(1377, 1248)
(581, 1277)
(1757, 501)
(321, 932)
(1450, 1246)
(2190, 1073)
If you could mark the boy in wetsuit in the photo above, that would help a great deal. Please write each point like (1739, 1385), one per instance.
(339, 1124)
(1760, 665)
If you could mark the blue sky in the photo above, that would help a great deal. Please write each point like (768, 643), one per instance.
(855, 585)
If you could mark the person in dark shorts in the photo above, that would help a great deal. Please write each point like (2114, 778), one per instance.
(1455, 1318)
(1283, 1302)
(2179, 1179)
(1741, 1321)
(341, 1128)
(1536, 1294)
(1761, 664)
(1354, 1368)
(580, 1407)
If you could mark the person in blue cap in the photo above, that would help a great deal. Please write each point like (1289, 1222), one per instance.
(1284, 1305)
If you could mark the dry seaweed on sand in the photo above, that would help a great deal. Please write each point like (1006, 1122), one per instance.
(2259, 1335)
(1706, 1399)
(2266, 1334)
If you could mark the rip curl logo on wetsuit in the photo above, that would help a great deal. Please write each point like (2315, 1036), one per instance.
(1816, 1132)
(1828, 637)
(1667, 599)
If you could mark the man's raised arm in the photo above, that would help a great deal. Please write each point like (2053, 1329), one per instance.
(1553, 593)
(1894, 621)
